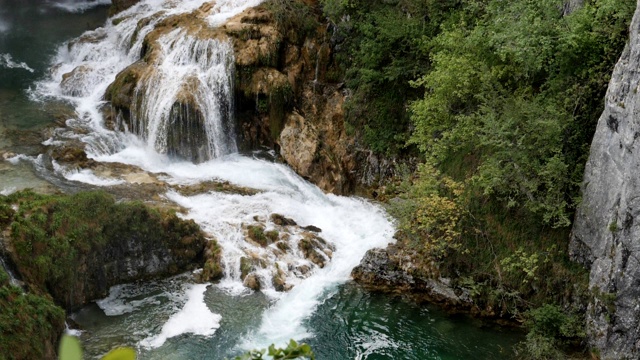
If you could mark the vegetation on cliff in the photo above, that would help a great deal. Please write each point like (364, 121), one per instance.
(75, 247)
(69, 249)
(29, 324)
(502, 100)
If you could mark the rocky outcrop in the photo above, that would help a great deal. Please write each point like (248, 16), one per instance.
(392, 270)
(284, 98)
(606, 232)
(121, 5)
(76, 247)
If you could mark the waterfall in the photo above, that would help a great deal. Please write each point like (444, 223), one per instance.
(13, 279)
(176, 120)
(184, 105)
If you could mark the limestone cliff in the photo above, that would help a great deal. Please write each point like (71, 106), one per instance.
(606, 232)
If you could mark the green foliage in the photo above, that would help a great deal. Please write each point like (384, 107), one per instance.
(70, 349)
(382, 44)
(292, 351)
(550, 329)
(520, 87)
(27, 323)
(54, 234)
(429, 206)
(296, 15)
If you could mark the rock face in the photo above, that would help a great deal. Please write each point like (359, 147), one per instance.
(121, 5)
(606, 232)
(283, 98)
(76, 247)
(391, 270)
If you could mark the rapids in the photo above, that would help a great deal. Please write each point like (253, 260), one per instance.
(175, 318)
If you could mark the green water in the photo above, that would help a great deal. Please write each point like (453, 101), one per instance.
(350, 324)
(30, 32)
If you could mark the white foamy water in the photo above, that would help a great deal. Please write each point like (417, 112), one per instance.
(4, 26)
(85, 176)
(77, 6)
(194, 70)
(199, 72)
(225, 9)
(194, 318)
(6, 61)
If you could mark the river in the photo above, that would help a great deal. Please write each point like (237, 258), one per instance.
(176, 318)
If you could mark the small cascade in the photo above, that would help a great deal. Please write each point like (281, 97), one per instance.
(13, 279)
(184, 105)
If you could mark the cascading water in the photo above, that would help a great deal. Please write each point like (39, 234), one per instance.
(174, 318)
(183, 106)
(185, 94)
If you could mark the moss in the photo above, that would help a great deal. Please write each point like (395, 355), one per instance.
(294, 19)
(29, 324)
(6, 215)
(245, 267)
(55, 235)
(212, 269)
(272, 235)
(256, 234)
(4, 277)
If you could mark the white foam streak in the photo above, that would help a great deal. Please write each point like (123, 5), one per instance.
(85, 176)
(7, 61)
(194, 318)
(354, 226)
(225, 9)
(4, 26)
(75, 6)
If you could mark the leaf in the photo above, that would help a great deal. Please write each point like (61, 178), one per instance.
(123, 353)
(70, 348)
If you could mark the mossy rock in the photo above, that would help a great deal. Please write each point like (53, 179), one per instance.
(212, 269)
(246, 267)
(77, 246)
(30, 325)
(282, 221)
(256, 234)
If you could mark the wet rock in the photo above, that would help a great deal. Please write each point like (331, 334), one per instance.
(381, 270)
(256, 234)
(252, 281)
(312, 248)
(281, 220)
(212, 269)
(312, 228)
(279, 280)
(72, 153)
(245, 267)
(72, 81)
